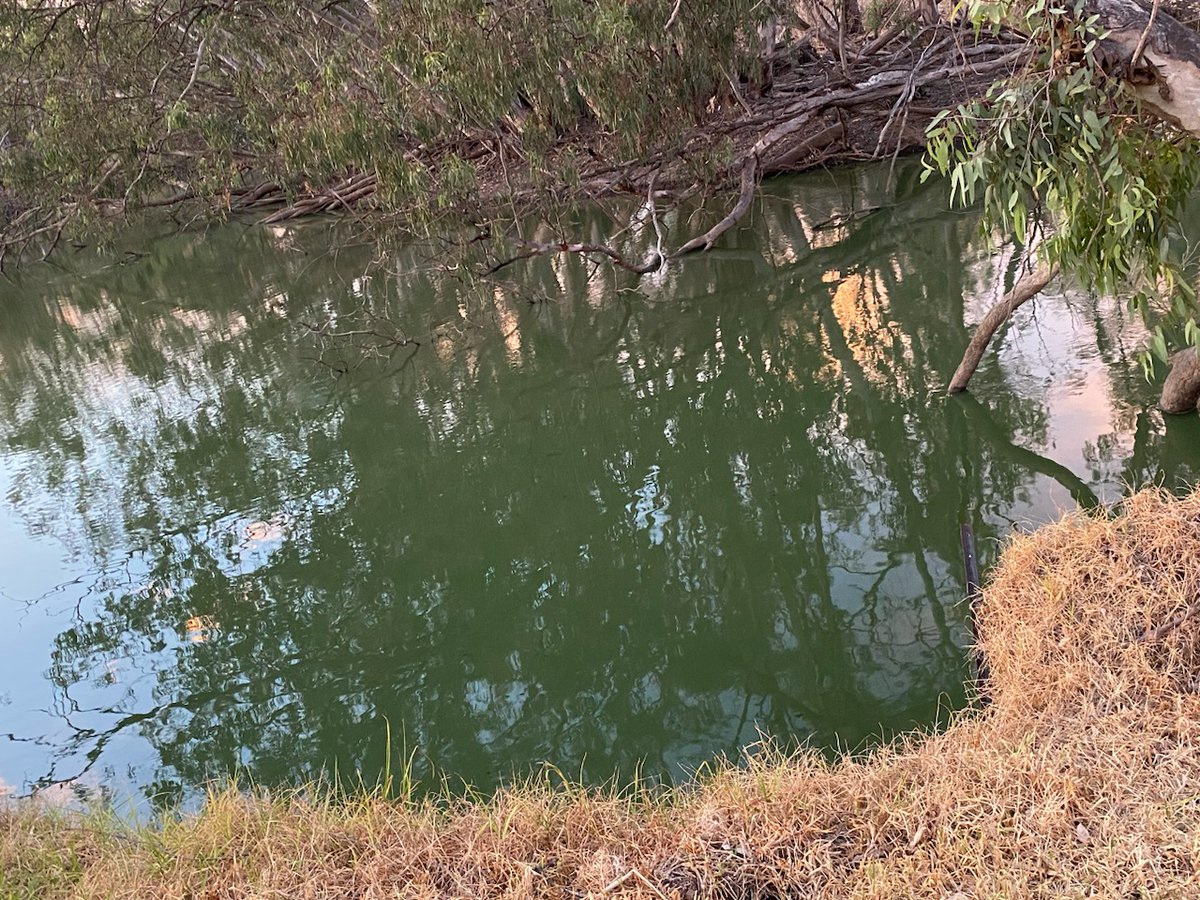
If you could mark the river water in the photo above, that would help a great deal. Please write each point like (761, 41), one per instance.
(263, 503)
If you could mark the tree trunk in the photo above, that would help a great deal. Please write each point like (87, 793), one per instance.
(1166, 77)
(850, 17)
(1181, 390)
(1027, 287)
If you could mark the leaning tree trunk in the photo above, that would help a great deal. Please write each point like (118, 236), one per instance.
(1027, 287)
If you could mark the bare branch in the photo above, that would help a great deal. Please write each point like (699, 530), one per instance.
(749, 182)
(652, 263)
(1027, 287)
(674, 15)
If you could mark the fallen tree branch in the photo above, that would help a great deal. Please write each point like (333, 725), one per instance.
(900, 83)
(749, 181)
(344, 194)
(789, 158)
(178, 197)
(652, 263)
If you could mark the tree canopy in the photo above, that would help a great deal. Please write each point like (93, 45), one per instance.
(111, 104)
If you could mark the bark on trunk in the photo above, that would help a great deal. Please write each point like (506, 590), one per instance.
(1181, 390)
(850, 17)
(1027, 287)
(1167, 76)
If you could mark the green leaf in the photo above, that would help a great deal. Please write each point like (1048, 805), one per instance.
(1158, 345)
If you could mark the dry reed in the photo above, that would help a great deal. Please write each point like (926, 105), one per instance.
(1081, 779)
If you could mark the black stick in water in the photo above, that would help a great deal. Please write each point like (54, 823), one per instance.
(971, 563)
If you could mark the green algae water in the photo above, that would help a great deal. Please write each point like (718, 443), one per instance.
(263, 503)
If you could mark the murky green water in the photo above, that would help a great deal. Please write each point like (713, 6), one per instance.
(589, 519)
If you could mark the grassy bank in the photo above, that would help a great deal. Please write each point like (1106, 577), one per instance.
(1082, 778)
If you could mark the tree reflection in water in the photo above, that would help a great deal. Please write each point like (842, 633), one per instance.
(589, 520)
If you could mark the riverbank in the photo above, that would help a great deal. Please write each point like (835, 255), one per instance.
(480, 142)
(1078, 779)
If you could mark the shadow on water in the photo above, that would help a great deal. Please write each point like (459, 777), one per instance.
(587, 518)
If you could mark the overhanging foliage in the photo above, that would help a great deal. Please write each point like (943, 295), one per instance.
(1068, 159)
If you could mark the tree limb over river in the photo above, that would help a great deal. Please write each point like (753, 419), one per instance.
(1086, 158)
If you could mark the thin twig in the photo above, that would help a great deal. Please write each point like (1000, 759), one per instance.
(652, 264)
(1141, 44)
(195, 69)
(674, 16)
(1157, 634)
(634, 873)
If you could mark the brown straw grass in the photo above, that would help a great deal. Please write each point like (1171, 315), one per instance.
(1081, 779)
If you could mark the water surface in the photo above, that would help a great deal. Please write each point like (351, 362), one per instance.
(572, 516)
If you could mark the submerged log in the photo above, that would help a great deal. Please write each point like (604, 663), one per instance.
(966, 536)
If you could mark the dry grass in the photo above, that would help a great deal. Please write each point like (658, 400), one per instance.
(1082, 779)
